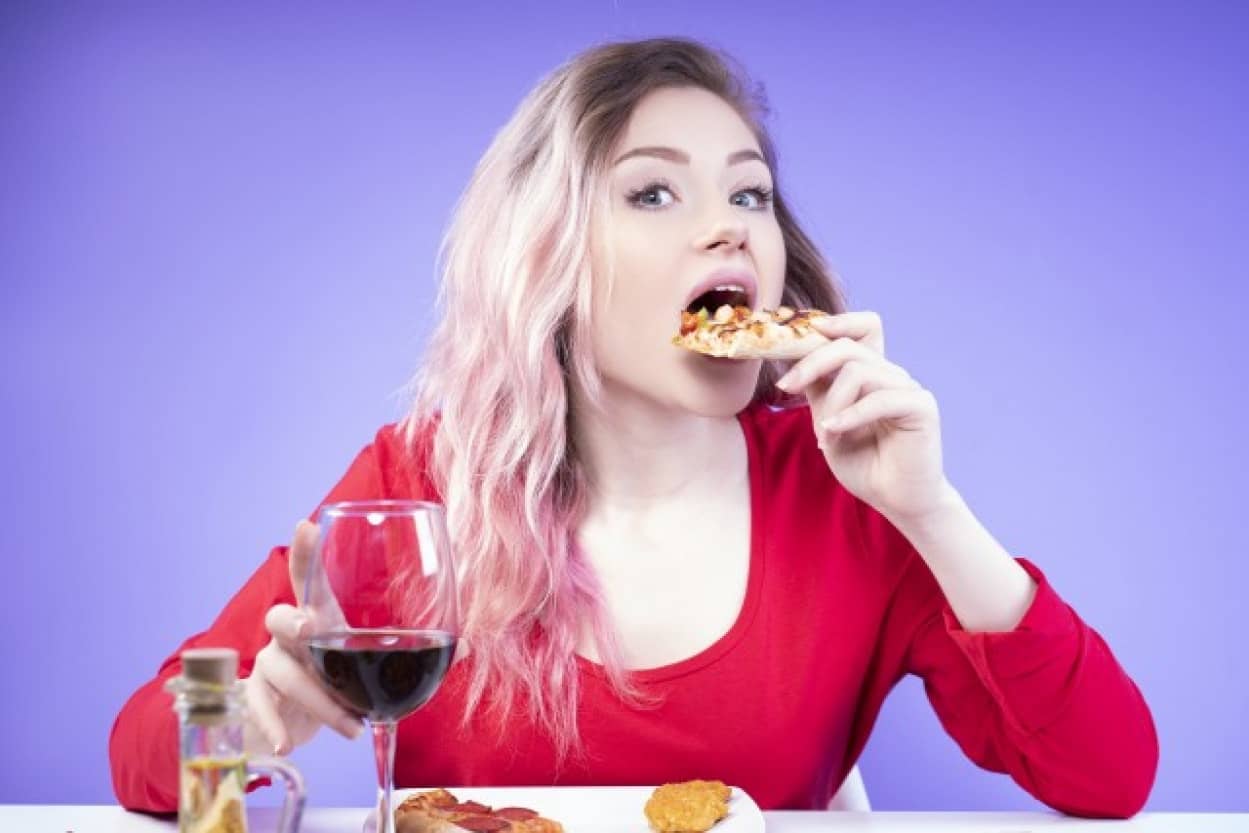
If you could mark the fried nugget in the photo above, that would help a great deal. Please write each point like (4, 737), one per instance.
(688, 807)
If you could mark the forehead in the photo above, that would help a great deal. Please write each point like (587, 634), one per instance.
(688, 118)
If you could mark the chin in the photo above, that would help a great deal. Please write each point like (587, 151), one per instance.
(719, 387)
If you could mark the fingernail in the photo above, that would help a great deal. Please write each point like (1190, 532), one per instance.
(278, 750)
(354, 729)
(786, 382)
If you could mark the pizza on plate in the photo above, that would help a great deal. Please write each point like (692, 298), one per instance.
(438, 811)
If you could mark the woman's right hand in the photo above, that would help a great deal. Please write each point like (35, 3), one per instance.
(286, 703)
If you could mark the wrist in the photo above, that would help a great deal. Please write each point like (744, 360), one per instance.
(947, 511)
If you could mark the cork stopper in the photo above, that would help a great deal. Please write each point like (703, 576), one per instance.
(210, 666)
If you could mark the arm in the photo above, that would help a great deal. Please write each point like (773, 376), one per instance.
(1044, 701)
(143, 746)
(1042, 697)
(986, 588)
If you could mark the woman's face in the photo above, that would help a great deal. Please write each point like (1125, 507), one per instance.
(690, 224)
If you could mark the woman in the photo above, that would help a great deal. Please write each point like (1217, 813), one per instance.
(664, 577)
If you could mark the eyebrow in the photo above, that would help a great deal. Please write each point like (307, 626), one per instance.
(683, 158)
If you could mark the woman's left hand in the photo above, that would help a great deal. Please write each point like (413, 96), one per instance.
(879, 429)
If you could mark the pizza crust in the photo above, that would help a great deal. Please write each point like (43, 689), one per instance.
(421, 823)
(421, 813)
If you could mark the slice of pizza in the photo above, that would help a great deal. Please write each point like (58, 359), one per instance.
(740, 333)
(438, 811)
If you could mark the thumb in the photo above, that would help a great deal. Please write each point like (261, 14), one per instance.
(303, 548)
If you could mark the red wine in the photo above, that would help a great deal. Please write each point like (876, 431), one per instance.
(382, 674)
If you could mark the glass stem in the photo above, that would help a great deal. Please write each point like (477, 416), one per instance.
(384, 752)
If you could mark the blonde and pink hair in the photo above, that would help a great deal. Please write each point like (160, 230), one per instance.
(512, 341)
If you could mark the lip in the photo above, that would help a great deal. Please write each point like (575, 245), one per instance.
(721, 277)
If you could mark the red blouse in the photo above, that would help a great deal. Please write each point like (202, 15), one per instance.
(838, 607)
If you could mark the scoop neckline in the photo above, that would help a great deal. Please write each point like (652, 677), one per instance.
(754, 579)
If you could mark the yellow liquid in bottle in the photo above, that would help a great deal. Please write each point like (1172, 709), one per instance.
(211, 799)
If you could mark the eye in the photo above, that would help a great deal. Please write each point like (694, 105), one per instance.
(755, 198)
(652, 195)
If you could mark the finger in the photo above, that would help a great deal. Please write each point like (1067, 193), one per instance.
(261, 703)
(865, 327)
(907, 408)
(309, 581)
(303, 548)
(857, 379)
(288, 625)
(824, 361)
(292, 682)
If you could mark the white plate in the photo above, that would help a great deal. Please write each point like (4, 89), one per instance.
(598, 809)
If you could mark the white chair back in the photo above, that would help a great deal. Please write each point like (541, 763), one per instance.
(852, 795)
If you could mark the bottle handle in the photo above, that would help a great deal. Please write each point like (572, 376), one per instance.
(293, 805)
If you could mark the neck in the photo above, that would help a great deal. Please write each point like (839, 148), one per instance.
(637, 453)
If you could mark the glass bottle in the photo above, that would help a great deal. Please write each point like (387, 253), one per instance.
(214, 771)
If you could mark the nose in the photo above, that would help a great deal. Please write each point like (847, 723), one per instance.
(727, 232)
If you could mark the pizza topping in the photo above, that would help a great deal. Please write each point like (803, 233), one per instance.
(515, 813)
(692, 321)
(469, 807)
(434, 798)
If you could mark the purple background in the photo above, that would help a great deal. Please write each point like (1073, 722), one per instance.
(217, 230)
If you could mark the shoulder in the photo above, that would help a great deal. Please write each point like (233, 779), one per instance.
(395, 464)
(802, 495)
(783, 441)
(404, 444)
(792, 483)
(405, 452)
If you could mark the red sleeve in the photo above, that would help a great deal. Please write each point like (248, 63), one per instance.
(143, 746)
(1046, 703)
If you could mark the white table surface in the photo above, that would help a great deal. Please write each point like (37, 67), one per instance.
(68, 818)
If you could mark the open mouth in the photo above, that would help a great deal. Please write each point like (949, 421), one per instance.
(731, 295)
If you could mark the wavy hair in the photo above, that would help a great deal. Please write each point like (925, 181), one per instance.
(513, 338)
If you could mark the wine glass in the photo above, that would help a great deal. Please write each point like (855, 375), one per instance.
(381, 596)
